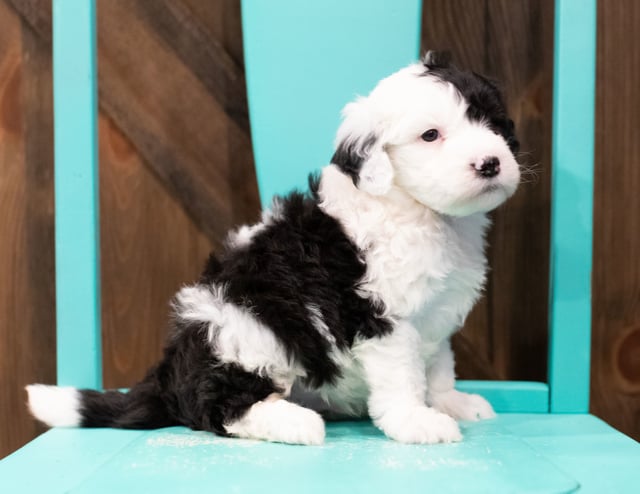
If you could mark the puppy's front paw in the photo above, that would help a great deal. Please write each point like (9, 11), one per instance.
(419, 425)
(462, 406)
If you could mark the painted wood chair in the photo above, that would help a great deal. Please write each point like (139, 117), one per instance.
(543, 440)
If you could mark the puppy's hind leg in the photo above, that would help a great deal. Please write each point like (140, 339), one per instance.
(278, 420)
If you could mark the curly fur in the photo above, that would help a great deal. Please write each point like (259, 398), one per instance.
(341, 300)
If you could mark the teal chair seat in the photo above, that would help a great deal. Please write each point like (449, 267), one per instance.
(297, 53)
(518, 453)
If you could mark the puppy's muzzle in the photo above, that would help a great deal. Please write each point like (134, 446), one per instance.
(489, 168)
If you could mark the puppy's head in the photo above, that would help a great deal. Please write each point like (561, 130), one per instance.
(440, 134)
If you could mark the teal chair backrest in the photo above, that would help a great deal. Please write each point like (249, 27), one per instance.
(304, 61)
(75, 99)
(572, 156)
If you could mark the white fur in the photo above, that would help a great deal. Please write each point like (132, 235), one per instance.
(315, 316)
(376, 176)
(462, 406)
(441, 174)
(394, 369)
(415, 257)
(280, 421)
(236, 335)
(55, 406)
(428, 270)
(242, 236)
(421, 226)
(418, 216)
(442, 395)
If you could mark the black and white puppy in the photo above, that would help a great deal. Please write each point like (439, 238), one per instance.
(343, 300)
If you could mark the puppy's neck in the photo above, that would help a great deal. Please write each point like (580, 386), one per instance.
(360, 211)
(337, 187)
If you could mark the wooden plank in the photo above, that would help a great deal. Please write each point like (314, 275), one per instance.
(169, 112)
(201, 156)
(221, 21)
(177, 127)
(37, 101)
(137, 285)
(511, 41)
(150, 247)
(27, 311)
(615, 369)
(37, 13)
(200, 131)
(205, 56)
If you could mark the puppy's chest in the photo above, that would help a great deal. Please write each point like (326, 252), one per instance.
(422, 268)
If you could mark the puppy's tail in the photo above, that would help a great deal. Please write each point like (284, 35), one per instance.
(70, 407)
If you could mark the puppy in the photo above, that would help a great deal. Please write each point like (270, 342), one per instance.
(341, 301)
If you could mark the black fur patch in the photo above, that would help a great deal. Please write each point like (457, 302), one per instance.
(302, 258)
(483, 96)
(349, 156)
(189, 387)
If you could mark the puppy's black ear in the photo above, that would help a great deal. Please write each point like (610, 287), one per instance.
(367, 164)
(436, 59)
(512, 140)
(360, 152)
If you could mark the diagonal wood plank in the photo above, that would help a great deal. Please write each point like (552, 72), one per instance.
(147, 253)
(205, 56)
(201, 150)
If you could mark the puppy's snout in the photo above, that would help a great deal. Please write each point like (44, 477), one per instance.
(490, 167)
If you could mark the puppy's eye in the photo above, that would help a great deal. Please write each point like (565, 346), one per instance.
(430, 135)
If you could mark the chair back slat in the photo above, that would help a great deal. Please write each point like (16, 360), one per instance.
(306, 60)
(572, 205)
(79, 361)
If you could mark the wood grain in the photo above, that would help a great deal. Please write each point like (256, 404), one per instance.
(171, 114)
(615, 370)
(149, 249)
(176, 172)
(27, 310)
(186, 129)
(511, 42)
(204, 55)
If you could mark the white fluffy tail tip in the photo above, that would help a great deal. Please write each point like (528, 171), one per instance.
(55, 406)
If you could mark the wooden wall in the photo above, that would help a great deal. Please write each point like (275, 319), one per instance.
(176, 172)
(615, 367)
(27, 287)
(511, 41)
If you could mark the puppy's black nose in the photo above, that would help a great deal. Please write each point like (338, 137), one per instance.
(490, 167)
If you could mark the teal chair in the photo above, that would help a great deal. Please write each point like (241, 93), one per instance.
(543, 440)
